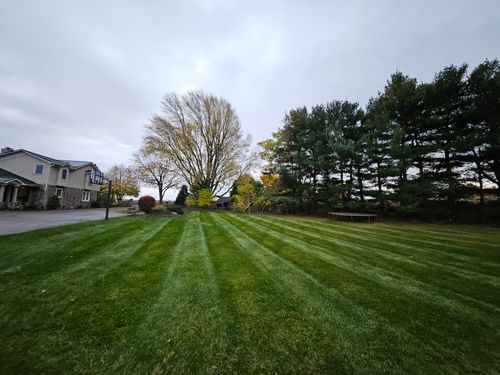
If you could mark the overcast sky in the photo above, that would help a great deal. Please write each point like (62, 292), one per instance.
(79, 79)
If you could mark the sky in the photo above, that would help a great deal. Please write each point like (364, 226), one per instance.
(80, 79)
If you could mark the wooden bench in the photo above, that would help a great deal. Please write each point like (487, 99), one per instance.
(353, 215)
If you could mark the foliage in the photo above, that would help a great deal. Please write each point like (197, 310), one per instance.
(53, 203)
(146, 203)
(155, 169)
(100, 201)
(245, 192)
(270, 180)
(201, 134)
(175, 208)
(205, 198)
(182, 196)
(125, 182)
(415, 144)
(158, 207)
(191, 201)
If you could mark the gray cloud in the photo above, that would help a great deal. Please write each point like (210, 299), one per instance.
(79, 80)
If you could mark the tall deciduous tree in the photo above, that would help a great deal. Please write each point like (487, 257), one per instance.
(124, 181)
(155, 169)
(202, 135)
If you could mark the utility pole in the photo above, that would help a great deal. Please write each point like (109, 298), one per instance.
(108, 201)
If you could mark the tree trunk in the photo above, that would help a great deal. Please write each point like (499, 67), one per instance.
(379, 184)
(360, 185)
(449, 194)
(496, 170)
(160, 192)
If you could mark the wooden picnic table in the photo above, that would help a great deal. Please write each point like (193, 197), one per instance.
(353, 215)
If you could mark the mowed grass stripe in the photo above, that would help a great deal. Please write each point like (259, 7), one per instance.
(460, 238)
(53, 289)
(185, 330)
(439, 308)
(449, 247)
(89, 325)
(370, 252)
(288, 330)
(42, 250)
(331, 312)
(405, 255)
(211, 292)
(374, 273)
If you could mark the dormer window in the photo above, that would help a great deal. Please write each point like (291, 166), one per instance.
(39, 169)
(64, 174)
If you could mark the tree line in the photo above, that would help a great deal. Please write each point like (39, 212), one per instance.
(414, 146)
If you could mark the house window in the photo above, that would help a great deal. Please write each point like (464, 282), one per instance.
(59, 193)
(39, 169)
(85, 196)
(96, 177)
(64, 174)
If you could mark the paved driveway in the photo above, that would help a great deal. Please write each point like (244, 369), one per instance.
(23, 221)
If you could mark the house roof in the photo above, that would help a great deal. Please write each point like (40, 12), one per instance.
(6, 177)
(223, 200)
(73, 164)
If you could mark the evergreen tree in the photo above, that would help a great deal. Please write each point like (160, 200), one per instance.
(449, 100)
(182, 196)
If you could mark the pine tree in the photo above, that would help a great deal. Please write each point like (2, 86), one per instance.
(182, 196)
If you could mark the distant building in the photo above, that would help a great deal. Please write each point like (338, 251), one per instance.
(29, 179)
(223, 203)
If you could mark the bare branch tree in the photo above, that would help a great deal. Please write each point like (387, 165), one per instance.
(154, 169)
(202, 135)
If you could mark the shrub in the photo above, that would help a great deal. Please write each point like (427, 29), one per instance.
(182, 196)
(175, 208)
(158, 208)
(53, 203)
(191, 201)
(146, 203)
(205, 198)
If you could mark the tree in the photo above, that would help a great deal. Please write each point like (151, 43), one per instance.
(205, 198)
(154, 169)
(202, 135)
(182, 196)
(484, 90)
(448, 95)
(246, 191)
(124, 182)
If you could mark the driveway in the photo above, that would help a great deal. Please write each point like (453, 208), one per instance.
(23, 221)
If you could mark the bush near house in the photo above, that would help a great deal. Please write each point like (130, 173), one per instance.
(53, 203)
(146, 203)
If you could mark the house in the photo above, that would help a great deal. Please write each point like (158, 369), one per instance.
(29, 179)
(223, 203)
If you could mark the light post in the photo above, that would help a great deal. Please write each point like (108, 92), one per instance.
(108, 200)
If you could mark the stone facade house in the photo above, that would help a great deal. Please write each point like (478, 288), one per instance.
(29, 179)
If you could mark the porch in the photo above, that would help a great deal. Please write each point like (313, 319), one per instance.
(17, 191)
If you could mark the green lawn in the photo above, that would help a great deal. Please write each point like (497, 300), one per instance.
(224, 293)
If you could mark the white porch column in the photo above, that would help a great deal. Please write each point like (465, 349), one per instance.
(2, 190)
(14, 195)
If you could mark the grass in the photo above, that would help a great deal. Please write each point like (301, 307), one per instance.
(223, 293)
